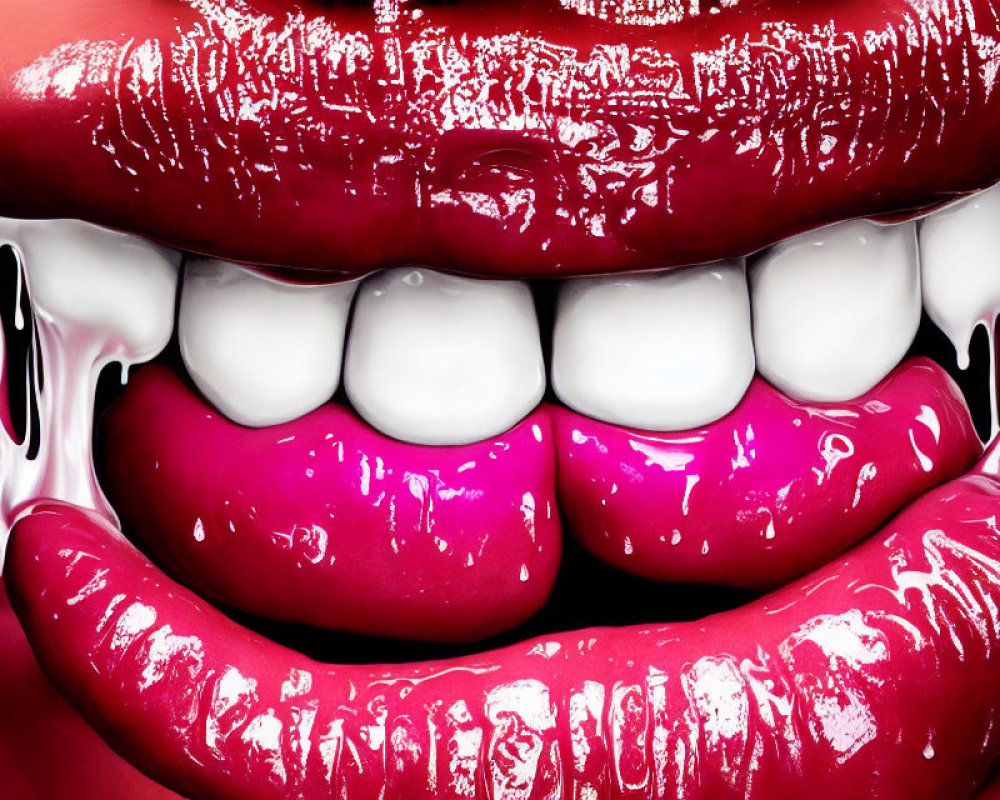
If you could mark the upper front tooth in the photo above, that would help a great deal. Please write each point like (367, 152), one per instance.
(836, 309)
(960, 267)
(263, 351)
(663, 351)
(438, 359)
(120, 286)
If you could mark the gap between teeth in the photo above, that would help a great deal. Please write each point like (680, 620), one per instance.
(440, 359)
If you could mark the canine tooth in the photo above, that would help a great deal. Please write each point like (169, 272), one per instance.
(116, 285)
(438, 359)
(662, 351)
(834, 310)
(263, 351)
(960, 268)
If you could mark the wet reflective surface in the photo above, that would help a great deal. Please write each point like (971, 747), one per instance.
(531, 139)
(808, 690)
(325, 521)
(572, 144)
(46, 749)
(776, 488)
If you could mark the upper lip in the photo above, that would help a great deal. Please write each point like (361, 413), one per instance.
(531, 142)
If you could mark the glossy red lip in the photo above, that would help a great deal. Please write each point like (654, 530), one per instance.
(527, 140)
(812, 691)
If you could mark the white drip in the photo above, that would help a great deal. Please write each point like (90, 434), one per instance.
(960, 270)
(18, 310)
(96, 296)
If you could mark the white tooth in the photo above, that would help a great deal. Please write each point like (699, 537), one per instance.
(960, 267)
(116, 285)
(659, 351)
(438, 359)
(262, 351)
(835, 310)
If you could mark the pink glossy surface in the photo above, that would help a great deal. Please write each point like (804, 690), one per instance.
(324, 521)
(876, 676)
(47, 751)
(505, 138)
(772, 490)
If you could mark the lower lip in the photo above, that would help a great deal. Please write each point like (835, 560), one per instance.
(812, 687)
(35, 716)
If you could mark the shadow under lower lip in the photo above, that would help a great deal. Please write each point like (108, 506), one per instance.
(587, 594)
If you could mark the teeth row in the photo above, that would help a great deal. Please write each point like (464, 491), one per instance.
(439, 359)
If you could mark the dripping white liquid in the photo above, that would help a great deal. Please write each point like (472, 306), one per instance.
(96, 296)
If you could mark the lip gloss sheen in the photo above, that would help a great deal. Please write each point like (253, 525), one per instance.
(527, 141)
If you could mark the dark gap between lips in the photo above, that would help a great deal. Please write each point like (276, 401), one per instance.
(587, 592)
(22, 402)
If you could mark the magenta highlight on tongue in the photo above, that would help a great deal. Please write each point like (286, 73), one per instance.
(323, 520)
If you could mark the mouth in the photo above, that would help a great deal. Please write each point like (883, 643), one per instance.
(429, 286)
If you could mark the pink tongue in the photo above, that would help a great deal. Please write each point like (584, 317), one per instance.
(326, 522)
(771, 491)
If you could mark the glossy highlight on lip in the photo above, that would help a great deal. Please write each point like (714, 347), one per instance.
(529, 140)
(808, 690)
(41, 730)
